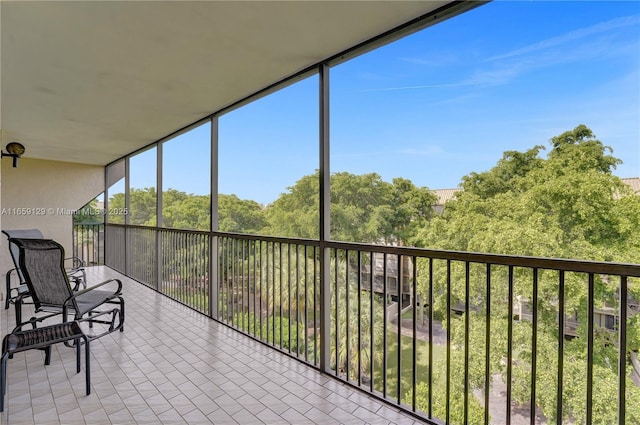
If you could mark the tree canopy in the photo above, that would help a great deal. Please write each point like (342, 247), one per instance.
(567, 204)
(364, 208)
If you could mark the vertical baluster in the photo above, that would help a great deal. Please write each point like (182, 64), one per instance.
(509, 344)
(414, 347)
(335, 311)
(267, 292)
(316, 296)
(622, 351)
(534, 348)
(298, 299)
(280, 301)
(359, 308)
(399, 287)
(273, 296)
(244, 299)
(487, 344)
(255, 284)
(232, 263)
(347, 315)
(289, 294)
(467, 311)
(561, 315)
(259, 287)
(448, 367)
(430, 372)
(306, 304)
(371, 321)
(385, 293)
(590, 330)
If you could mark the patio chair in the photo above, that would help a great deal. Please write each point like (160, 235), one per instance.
(42, 265)
(18, 294)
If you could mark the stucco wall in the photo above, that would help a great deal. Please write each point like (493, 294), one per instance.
(41, 194)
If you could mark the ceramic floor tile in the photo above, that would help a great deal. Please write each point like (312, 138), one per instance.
(172, 365)
(73, 417)
(345, 417)
(205, 404)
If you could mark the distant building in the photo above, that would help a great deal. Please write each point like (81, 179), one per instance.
(443, 195)
(634, 182)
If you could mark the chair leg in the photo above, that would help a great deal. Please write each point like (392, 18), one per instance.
(122, 315)
(47, 355)
(3, 380)
(87, 365)
(18, 306)
(77, 341)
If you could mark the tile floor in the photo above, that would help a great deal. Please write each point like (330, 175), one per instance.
(172, 365)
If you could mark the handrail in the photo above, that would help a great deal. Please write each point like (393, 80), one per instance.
(564, 264)
(269, 288)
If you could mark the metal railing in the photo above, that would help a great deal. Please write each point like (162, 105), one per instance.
(88, 243)
(454, 346)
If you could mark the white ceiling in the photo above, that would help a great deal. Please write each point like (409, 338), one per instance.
(92, 81)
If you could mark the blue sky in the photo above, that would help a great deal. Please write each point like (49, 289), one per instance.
(446, 101)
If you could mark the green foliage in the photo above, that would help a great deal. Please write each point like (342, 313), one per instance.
(295, 213)
(88, 214)
(116, 202)
(238, 215)
(188, 211)
(364, 208)
(185, 211)
(288, 335)
(348, 354)
(567, 205)
(142, 206)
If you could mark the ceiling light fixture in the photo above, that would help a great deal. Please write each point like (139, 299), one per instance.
(14, 150)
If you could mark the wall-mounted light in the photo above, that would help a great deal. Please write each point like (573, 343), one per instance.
(14, 150)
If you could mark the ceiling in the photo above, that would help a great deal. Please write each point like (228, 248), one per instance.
(90, 82)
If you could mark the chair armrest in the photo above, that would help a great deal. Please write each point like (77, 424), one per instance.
(21, 288)
(91, 288)
(8, 274)
(76, 261)
(108, 297)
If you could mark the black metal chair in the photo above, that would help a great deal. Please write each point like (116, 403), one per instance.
(41, 262)
(18, 294)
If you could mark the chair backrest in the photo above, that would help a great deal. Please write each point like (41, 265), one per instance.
(42, 264)
(13, 248)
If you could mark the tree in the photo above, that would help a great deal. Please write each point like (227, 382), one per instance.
(364, 208)
(569, 205)
(89, 213)
(355, 318)
(295, 213)
(239, 215)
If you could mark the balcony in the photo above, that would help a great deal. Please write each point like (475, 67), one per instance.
(174, 365)
(439, 336)
(269, 290)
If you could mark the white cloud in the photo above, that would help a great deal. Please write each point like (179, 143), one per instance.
(573, 46)
(571, 36)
